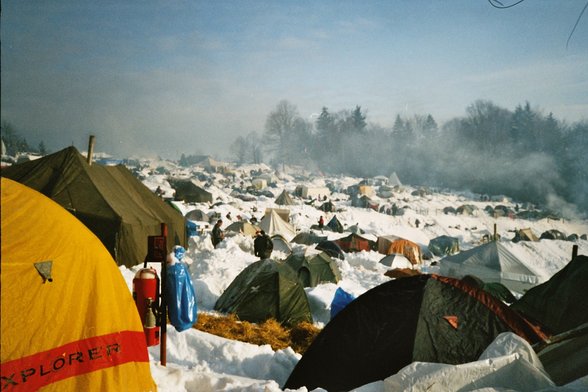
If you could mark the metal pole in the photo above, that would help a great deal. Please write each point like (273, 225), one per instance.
(91, 149)
(163, 344)
(574, 251)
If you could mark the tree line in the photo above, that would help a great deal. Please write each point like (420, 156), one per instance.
(521, 153)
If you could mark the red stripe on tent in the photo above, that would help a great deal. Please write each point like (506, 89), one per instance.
(73, 359)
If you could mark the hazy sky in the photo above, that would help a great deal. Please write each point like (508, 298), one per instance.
(175, 77)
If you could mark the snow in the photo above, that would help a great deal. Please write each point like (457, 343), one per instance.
(198, 361)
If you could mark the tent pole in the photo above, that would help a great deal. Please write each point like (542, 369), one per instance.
(495, 233)
(574, 251)
(163, 343)
(91, 149)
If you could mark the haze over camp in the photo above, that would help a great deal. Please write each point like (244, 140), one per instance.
(294, 196)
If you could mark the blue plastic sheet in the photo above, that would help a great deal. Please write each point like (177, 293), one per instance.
(341, 299)
(181, 298)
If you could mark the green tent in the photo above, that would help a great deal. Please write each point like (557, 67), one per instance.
(314, 268)
(266, 289)
(189, 192)
(109, 200)
(444, 245)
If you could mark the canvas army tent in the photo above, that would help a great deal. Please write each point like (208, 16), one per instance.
(189, 192)
(273, 224)
(425, 318)
(314, 268)
(109, 200)
(491, 262)
(243, 227)
(69, 322)
(284, 199)
(266, 289)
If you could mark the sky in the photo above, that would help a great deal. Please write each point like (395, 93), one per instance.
(173, 77)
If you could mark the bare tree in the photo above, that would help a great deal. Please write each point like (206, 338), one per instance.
(279, 126)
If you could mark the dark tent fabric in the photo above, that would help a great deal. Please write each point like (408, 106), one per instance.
(559, 304)
(327, 207)
(425, 318)
(109, 200)
(335, 225)
(284, 199)
(444, 245)
(314, 269)
(189, 192)
(308, 238)
(331, 248)
(266, 289)
(552, 235)
(355, 243)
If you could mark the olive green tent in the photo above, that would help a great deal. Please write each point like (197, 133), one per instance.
(189, 192)
(266, 289)
(109, 200)
(314, 268)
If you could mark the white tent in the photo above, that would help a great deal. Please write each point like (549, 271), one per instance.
(314, 192)
(394, 180)
(491, 262)
(273, 224)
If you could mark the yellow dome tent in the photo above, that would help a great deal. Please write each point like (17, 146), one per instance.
(68, 322)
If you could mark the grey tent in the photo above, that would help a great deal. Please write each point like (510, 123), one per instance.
(281, 244)
(266, 289)
(284, 199)
(308, 238)
(314, 268)
(491, 262)
(444, 245)
(109, 200)
(335, 225)
(198, 215)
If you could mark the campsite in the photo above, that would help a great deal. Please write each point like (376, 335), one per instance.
(369, 249)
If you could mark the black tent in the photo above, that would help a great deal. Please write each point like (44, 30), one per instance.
(189, 192)
(422, 318)
(331, 248)
(559, 304)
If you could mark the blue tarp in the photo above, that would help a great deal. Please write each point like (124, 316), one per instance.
(181, 298)
(341, 299)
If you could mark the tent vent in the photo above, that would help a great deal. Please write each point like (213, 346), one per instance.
(44, 269)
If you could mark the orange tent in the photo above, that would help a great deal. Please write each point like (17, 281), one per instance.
(69, 322)
(409, 249)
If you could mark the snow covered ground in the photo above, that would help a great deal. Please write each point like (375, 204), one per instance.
(197, 361)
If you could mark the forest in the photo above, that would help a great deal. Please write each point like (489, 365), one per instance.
(522, 153)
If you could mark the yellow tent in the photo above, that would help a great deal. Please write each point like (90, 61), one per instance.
(68, 322)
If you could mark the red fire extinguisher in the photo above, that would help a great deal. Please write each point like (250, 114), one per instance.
(146, 296)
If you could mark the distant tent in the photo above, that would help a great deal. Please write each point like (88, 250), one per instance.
(394, 180)
(449, 210)
(525, 235)
(426, 318)
(335, 225)
(327, 207)
(396, 260)
(281, 244)
(244, 228)
(331, 248)
(307, 238)
(553, 235)
(466, 209)
(491, 262)
(314, 268)
(355, 229)
(444, 245)
(109, 200)
(313, 192)
(560, 303)
(355, 243)
(263, 290)
(284, 199)
(273, 224)
(198, 215)
(392, 244)
(364, 202)
(189, 192)
(69, 322)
